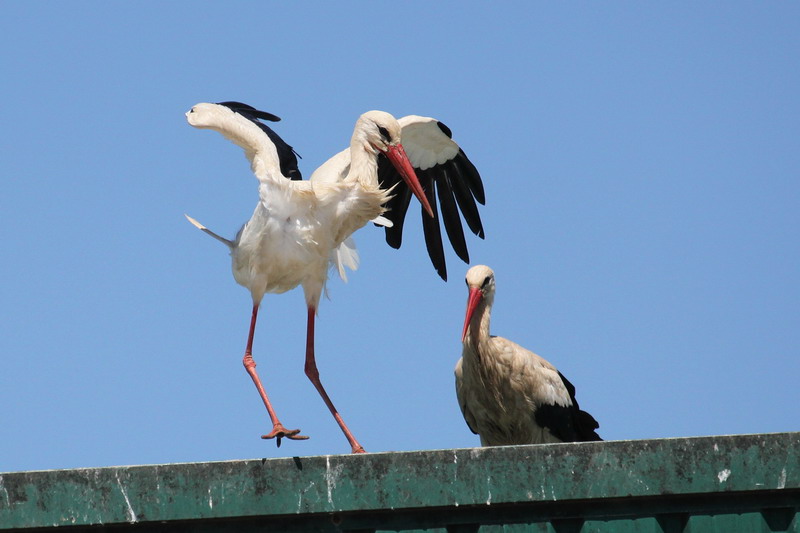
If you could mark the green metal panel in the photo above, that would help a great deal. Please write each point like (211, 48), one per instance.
(727, 483)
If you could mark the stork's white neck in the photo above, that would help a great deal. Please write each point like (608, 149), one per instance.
(478, 330)
(363, 161)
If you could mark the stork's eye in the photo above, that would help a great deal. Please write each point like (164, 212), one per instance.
(384, 133)
(486, 282)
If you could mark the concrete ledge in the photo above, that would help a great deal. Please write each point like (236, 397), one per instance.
(558, 487)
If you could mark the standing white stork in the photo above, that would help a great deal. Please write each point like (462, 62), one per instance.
(299, 227)
(510, 395)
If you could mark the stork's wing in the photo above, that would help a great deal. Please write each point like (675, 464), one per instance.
(568, 423)
(269, 155)
(461, 394)
(286, 154)
(444, 171)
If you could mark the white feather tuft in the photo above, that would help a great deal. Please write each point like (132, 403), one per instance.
(345, 255)
(227, 242)
(383, 221)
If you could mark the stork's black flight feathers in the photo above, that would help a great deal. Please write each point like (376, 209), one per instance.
(570, 424)
(457, 185)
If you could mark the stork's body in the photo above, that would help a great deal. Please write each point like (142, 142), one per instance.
(300, 228)
(508, 394)
(298, 225)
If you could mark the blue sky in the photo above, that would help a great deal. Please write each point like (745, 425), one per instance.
(641, 165)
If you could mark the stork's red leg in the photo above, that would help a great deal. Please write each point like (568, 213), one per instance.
(313, 375)
(278, 430)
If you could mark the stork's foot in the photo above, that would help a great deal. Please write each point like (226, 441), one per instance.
(359, 449)
(278, 432)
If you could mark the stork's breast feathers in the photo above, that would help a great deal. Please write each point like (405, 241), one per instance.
(355, 206)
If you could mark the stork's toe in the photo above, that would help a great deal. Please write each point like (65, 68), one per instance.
(278, 432)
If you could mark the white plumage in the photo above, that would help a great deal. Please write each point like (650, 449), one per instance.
(300, 228)
(510, 395)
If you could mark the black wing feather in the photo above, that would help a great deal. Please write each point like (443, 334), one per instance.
(241, 108)
(569, 424)
(466, 202)
(452, 222)
(458, 185)
(397, 206)
(287, 155)
(570, 388)
(472, 175)
(430, 227)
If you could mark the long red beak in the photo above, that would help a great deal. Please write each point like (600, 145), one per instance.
(475, 297)
(397, 155)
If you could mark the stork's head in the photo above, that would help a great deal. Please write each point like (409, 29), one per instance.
(480, 282)
(379, 132)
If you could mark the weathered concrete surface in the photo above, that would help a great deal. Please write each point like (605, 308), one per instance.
(435, 488)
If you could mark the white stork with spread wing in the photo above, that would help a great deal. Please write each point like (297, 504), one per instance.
(300, 227)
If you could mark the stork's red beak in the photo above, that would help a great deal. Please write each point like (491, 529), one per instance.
(397, 155)
(475, 297)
